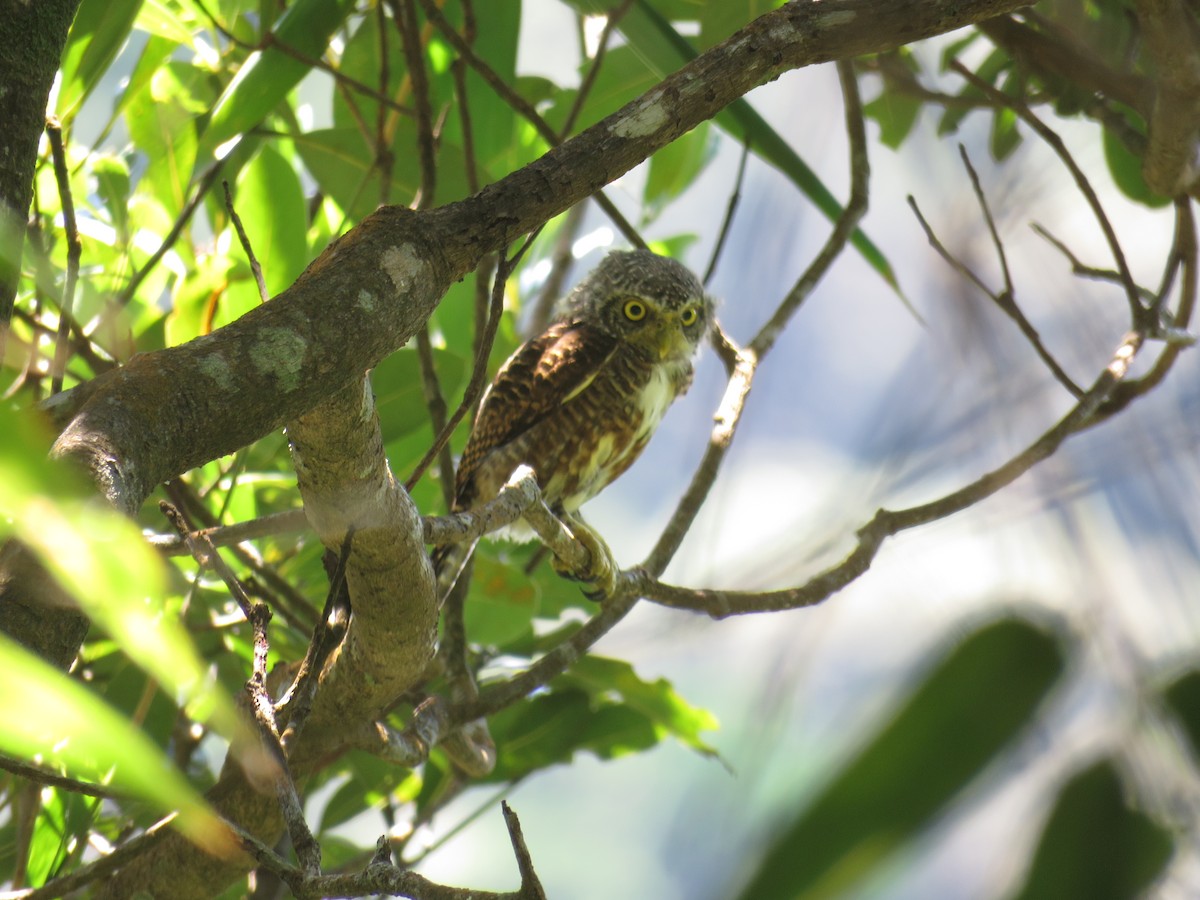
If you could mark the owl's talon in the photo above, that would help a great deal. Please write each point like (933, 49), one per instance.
(599, 577)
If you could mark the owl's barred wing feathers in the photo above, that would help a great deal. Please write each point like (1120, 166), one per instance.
(540, 377)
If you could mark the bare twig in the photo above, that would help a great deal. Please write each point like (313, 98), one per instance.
(185, 216)
(1006, 299)
(42, 775)
(1139, 316)
(293, 708)
(271, 41)
(255, 268)
(66, 304)
(405, 14)
(589, 79)
(561, 259)
(734, 198)
(531, 887)
(258, 614)
(475, 386)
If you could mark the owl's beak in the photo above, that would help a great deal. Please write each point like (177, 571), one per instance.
(672, 343)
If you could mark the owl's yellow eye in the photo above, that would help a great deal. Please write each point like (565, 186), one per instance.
(689, 316)
(635, 310)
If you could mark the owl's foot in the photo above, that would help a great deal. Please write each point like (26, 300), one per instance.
(599, 576)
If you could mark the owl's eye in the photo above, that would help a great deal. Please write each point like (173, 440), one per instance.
(635, 310)
(689, 316)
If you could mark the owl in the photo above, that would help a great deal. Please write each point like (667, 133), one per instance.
(578, 402)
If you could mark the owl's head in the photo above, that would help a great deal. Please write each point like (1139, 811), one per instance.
(647, 300)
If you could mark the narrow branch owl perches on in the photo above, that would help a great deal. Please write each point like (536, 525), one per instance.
(579, 402)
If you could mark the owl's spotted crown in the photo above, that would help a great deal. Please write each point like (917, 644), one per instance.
(639, 273)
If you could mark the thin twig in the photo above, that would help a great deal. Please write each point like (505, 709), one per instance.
(185, 216)
(66, 305)
(308, 851)
(504, 268)
(561, 259)
(734, 198)
(1006, 300)
(404, 12)
(255, 268)
(271, 41)
(1139, 316)
(589, 79)
(435, 403)
(44, 776)
(531, 887)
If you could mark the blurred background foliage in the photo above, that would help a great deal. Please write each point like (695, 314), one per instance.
(304, 109)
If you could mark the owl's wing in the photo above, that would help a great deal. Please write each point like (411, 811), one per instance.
(540, 376)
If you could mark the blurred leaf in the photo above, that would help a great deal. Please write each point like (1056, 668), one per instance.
(676, 166)
(50, 717)
(896, 114)
(1183, 698)
(99, 556)
(1004, 137)
(97, 34)
(1126, 170)
(983, 693)
(1094, 847)
(266, 77)
(399, 395)
(719, 20)
(656, 700)
(503, 600)
(162, 124)
(540, 732)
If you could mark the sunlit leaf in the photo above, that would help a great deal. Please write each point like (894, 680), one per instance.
(97, 35)
(53, 719)
(267, 76)
(100, 558)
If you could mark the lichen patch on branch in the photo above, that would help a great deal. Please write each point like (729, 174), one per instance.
(280, 352)
(405, 267)
(644, 120)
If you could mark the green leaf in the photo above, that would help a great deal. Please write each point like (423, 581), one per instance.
(1004, 137)
(97, 34)
(399, 395)
(266, 77)
(896, 114)
(1183, 699)
(162, 124)
(50, 717)
(1094, 847)
(270, 203)
(100, 558)
(656, 700)
(676, 166)
(503, 600)
(983, 693)
(1126, 170)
